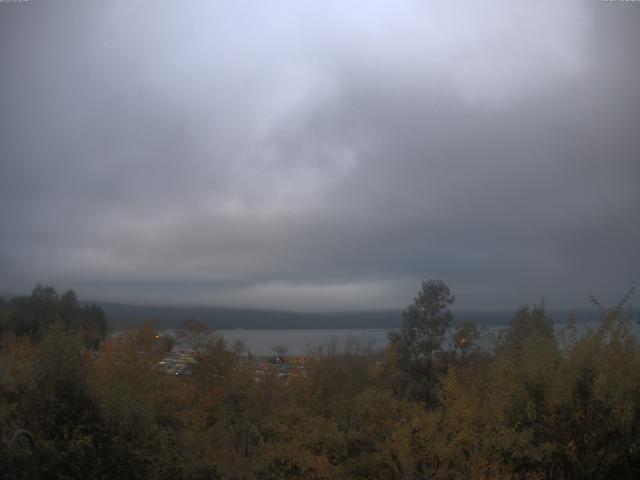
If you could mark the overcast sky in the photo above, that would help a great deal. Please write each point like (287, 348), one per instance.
(320, 155)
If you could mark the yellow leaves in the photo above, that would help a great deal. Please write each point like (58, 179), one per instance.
(291, 462)
(17, 363)
(517, 414)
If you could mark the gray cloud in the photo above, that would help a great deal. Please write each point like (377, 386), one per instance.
(320, 156)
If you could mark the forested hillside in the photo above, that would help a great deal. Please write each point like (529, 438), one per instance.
(534, 405)
(134, 316)
(127, 316)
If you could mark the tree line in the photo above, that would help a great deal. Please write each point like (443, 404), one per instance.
(441, 402)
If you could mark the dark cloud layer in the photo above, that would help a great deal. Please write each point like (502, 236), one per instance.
(317, 155)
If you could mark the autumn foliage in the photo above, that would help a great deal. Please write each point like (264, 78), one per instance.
(530, 404)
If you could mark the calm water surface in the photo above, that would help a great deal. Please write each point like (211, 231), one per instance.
(300, 342)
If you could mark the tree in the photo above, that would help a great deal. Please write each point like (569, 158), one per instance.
(334, 381)
(45, 385)
(526, 323)
(93, 323)
(69, 309)
(89, 319)
(4, 319)
(424, 326)
(466, 341)
(193, 334)
(33, 315)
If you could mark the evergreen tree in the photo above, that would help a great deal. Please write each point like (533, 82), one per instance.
(418, 344)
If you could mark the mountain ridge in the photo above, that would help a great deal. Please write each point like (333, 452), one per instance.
(123, 315)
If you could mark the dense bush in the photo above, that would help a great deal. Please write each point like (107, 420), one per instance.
(534, 405)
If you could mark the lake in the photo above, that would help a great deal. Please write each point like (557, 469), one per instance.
(303, 341)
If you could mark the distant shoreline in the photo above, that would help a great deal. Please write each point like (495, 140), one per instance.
(130, 316)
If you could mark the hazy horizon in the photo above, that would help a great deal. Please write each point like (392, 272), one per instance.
(505, 313)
